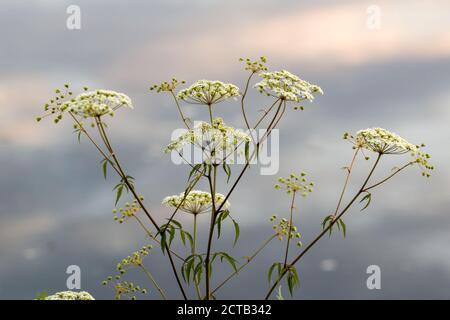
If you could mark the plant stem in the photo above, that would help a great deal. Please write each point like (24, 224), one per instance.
(245, 264)
(389, 177)
(152, 279)
(243, 98)
(210, 113)
(179, 110)
(212, 187)
(347, 179)
(138, 199)
(325, 230)
(247, 164)
(290, 229)
(194, 252)
(154, 237)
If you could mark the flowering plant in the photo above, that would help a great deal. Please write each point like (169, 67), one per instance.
(192, 268)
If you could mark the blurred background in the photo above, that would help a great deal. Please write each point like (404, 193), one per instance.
(392, 72)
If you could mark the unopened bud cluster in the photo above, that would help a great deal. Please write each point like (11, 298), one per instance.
(295, 183)
(283, 229)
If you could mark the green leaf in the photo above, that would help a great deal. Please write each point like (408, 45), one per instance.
(183, 237)
(227, 169)
(279, 294)
(368, 199)
(105, 167)
(222, 216)
(119, 193)
(344, 227)
(41, 295)
(237, 231)
(271, 269)
(190, 239)
(231, 261)
(194, 169)
(247, 148)
(163, 242)
(292, 279)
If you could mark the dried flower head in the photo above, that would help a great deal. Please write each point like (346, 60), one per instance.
(287, 86)
(295, 183)
(70, 295)
(215, 141)
(255, 66)
(383, 141)
(208, 92)
(167, 86)
(196, 202)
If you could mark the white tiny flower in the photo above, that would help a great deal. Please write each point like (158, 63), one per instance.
(97, 103)
(217, 141)
(70, 295)
(382, 141)
(196, 202)
(208, 92)
(287, 86)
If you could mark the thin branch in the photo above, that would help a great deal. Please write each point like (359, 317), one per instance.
(249, 259)
(325, 230)
(389, 177)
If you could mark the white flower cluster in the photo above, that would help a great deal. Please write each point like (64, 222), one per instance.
(196, 201)
(286, 86)
(70, 295)
(97, 103)
(208, 92)
(216, 141)
(382, 141)
(295, 183)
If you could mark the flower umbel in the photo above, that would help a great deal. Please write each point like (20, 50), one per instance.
(382, 141)
(97, 103)
(283, 228)
(196, 202)
(287, 86)
(208, 92)
(87, 104)
(70, 295)
(255, 66)
(216, 141)
(295, 183)
(167, 86)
